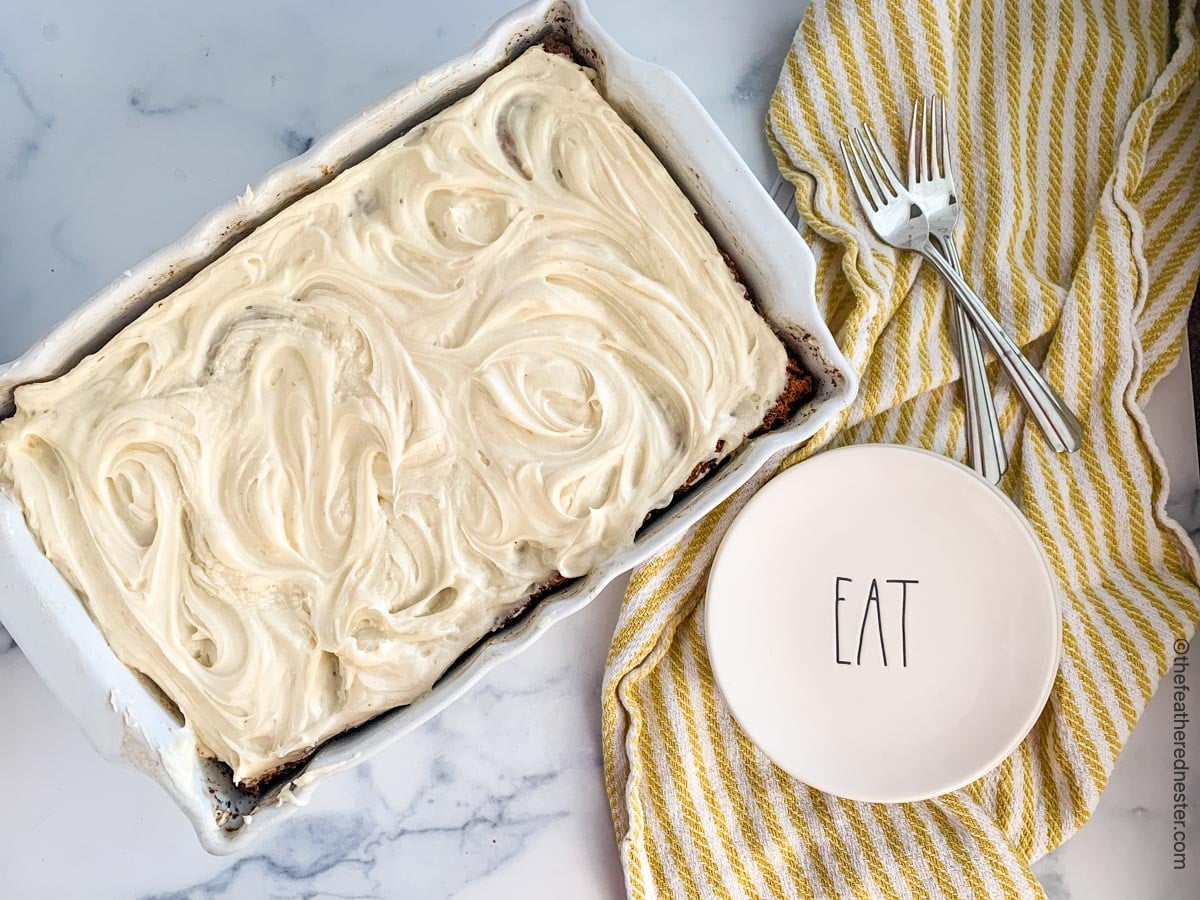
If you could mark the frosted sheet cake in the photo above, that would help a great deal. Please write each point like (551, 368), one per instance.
(294, 491)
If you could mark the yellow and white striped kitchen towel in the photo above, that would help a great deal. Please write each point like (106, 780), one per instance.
(1077, 138)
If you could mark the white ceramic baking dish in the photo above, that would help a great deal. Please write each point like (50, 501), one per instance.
(121, 713)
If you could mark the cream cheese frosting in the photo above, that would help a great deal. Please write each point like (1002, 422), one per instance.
(297, 489)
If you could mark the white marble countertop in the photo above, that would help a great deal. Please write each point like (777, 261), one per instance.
(122, 125)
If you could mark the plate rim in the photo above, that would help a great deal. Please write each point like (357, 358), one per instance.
(1053, 594)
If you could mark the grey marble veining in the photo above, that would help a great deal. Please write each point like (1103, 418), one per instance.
(461, 807)
(1184, 507)
(123, 125)
(1052, 880)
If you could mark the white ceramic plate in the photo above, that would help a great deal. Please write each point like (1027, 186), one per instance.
(883, 623)
(121, 716)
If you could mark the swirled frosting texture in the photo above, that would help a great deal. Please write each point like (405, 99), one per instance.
(294, 491)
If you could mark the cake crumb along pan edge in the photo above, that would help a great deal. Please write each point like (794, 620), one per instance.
(119, 712)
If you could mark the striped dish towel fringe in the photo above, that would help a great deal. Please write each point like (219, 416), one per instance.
(1077, 137)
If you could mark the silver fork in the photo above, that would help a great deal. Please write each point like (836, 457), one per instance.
(898, 218)
(784, 196)
(931, 181)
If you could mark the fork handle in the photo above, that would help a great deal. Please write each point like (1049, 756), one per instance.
(1049, 410)
(985, 440)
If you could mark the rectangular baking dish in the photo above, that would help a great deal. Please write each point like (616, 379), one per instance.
(124, 716)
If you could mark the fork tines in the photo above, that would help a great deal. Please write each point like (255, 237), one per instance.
(874, 183)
